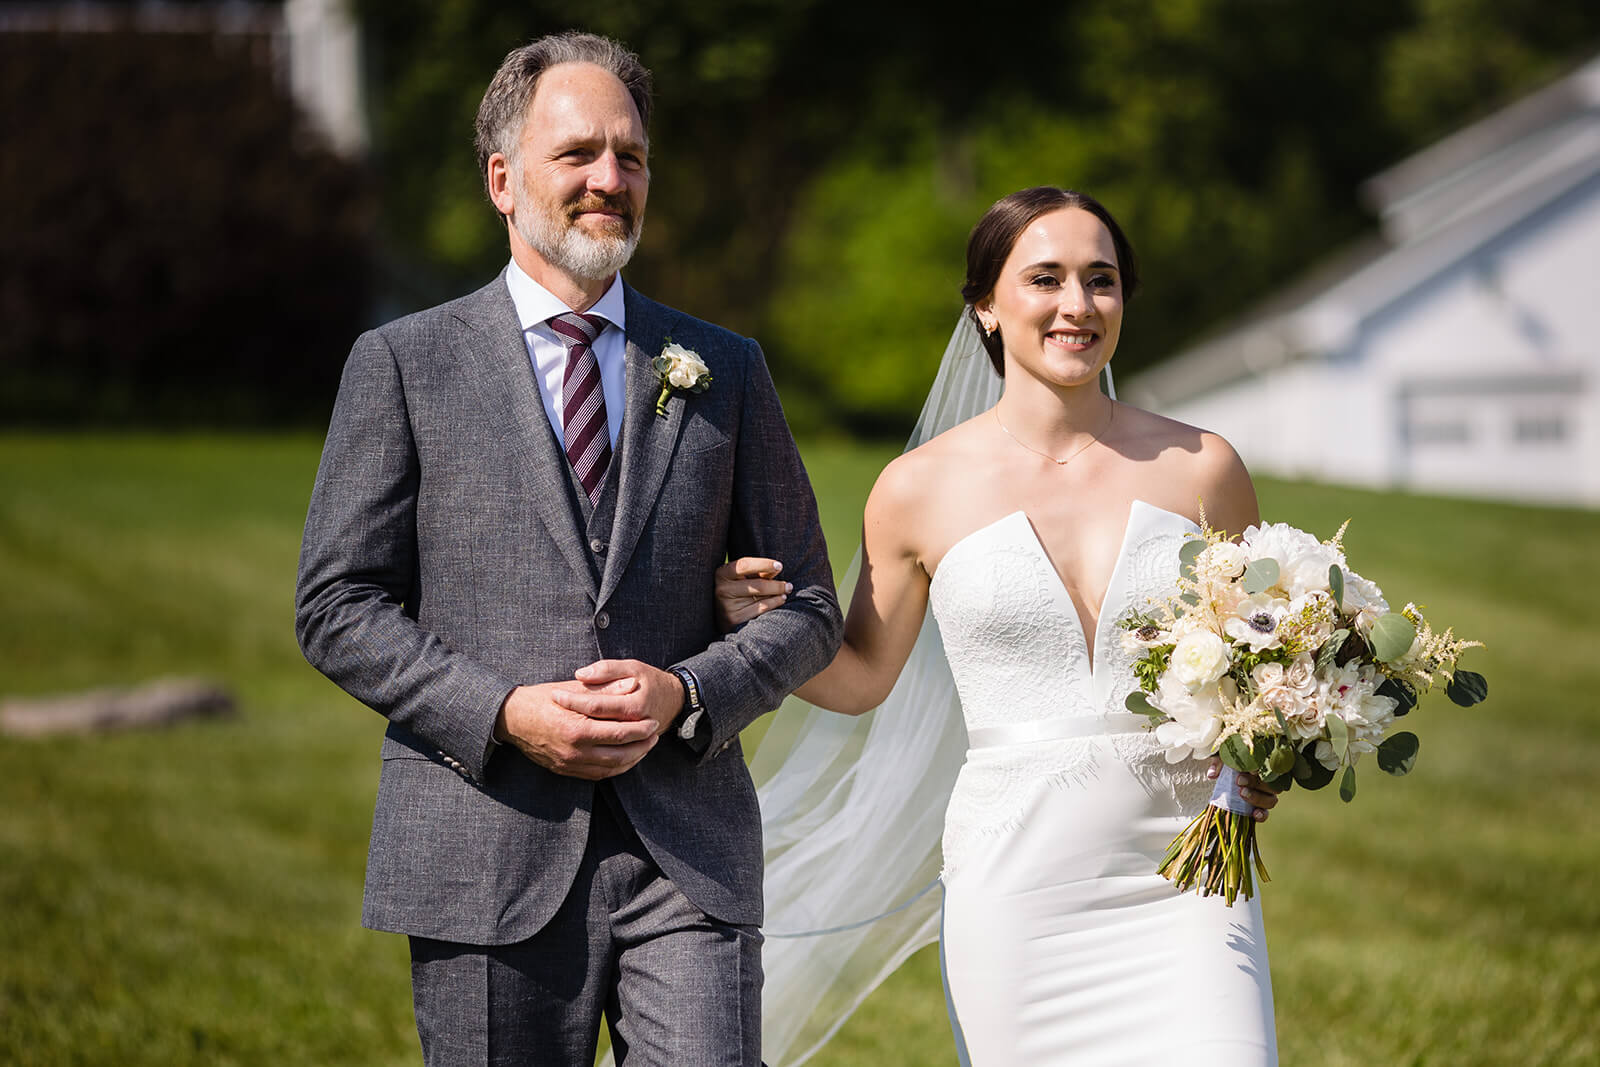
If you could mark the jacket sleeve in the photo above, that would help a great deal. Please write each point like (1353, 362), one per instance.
(356, 593)
(750, 671)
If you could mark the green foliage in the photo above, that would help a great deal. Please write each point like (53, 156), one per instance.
(1310, 771)
(1259, 576)
(1140, 704)
(818, 164)
(1467, 688)
(1329, 652)
(1391, 636)
(1336, 585)
(1398, 753)
(1188, 552)
(1347, 785)
(1149, 667)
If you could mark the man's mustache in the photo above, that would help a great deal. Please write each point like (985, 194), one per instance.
(616, 204)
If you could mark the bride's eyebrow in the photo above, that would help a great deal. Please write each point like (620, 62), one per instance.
(1098, 264)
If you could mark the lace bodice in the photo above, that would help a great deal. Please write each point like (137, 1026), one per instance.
(1020, 658)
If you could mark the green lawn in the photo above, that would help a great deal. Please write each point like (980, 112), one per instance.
(192, 895)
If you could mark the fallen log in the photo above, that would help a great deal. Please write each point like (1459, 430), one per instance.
(158, 703)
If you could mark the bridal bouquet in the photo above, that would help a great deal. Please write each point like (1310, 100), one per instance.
(1274, 655)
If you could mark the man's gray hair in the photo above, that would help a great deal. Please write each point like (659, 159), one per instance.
(505, 102)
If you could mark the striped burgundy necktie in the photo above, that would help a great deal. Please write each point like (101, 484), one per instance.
(583, 402)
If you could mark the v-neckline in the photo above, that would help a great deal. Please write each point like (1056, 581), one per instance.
(1091, 641)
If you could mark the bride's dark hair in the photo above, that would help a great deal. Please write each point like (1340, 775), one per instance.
(998, 230)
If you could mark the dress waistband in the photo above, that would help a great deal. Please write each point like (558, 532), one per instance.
(1055, 729)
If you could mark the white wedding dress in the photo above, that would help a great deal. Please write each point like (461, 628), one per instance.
(1062, 944)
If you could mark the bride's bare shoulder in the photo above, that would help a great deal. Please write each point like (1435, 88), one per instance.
(903, 489)
(1154, 436)
(1189, 464)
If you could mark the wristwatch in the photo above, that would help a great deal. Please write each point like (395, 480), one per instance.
(689, 719)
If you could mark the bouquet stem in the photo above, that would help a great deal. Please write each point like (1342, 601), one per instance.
(1217, 853)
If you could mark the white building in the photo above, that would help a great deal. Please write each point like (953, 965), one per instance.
(1458, 353)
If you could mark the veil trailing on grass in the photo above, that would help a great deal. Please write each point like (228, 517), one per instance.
(853, 807)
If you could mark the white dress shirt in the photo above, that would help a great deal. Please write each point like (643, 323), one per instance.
(536, 305)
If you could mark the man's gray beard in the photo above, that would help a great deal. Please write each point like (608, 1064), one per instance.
(571, 250)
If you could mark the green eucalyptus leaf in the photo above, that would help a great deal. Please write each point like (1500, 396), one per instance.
(1261, 574)
(1336, 584)
(1347, 785)
(1310, 772)
(1339, 734)
(1236, 754)
(1468, 688)
(1279, 762)
(1140, 704)
(1398, 754)
(1404, 698)
(1187, 554)
(1190, 599)
(1391, 636)
(1330, 648)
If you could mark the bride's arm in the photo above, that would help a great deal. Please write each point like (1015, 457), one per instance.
(886, 611)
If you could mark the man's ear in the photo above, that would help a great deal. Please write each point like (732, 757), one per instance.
(499, 181)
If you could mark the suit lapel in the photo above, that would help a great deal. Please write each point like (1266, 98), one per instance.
(495, 357)
(647, 440)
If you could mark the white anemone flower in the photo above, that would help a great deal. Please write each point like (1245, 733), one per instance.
(1256, 622)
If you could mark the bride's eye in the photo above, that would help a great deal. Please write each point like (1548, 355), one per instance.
(1044, 281)
(1103, 281)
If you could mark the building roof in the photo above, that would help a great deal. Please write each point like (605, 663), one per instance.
(1436, 207)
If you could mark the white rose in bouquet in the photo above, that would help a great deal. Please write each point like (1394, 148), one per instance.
(1199, 659)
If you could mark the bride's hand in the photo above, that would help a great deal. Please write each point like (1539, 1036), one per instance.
(1251, 788)
(748, 587)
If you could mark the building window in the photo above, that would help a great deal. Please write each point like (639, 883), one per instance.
(1535, 430)
(1440, 432)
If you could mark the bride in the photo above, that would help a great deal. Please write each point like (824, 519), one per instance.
(1028, 529)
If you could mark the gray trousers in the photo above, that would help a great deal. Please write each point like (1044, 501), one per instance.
(675, 986)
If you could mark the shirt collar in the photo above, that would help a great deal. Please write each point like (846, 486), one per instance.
(535, 304)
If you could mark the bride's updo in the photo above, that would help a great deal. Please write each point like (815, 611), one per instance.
(995, 234)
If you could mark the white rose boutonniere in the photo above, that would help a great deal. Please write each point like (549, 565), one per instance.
(680, 370)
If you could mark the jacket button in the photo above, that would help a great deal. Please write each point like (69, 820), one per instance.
(598, 547)
(602, 620)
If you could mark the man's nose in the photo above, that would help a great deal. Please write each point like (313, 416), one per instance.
(605, 175)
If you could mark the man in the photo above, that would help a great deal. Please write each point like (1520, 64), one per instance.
(509, 553)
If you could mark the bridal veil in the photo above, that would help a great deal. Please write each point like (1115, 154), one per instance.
(853, 807)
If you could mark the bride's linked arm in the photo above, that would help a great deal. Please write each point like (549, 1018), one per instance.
(886, 611)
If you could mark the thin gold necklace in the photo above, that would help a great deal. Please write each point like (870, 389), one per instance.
(1111, 414)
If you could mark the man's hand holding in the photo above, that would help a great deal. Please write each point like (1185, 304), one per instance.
(569, 742)
(624, 689)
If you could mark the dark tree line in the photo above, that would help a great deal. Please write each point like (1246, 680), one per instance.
(174, 247)
(172, 244)
(817, 163)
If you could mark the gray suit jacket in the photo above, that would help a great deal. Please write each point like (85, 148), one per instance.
(448, 558)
